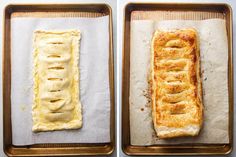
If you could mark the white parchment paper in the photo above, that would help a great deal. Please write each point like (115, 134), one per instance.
(94, 80)
(214, 69)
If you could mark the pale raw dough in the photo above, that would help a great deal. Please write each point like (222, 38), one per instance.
(56, 81)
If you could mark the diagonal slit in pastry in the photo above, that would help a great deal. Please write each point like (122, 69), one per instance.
(55, 100)
(56, 68)
(55, 43)
(55, 79)
(54, 56)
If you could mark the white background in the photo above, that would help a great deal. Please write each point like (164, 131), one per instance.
(120, 8)
(3, 3)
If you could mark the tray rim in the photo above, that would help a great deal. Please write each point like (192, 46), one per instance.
(101, 148)
(129, 149)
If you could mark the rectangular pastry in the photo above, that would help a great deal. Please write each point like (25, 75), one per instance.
(56, 104)
(176, 91)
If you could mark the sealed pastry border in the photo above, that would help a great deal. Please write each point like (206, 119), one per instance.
(222, 11)
(53, 10)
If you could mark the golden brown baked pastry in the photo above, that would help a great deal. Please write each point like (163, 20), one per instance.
(56, 81)
(176, 90)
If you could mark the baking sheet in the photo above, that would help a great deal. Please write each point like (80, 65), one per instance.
(214, 63)
(94, 80)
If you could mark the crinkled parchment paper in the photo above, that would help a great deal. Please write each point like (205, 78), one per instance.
(214, 69)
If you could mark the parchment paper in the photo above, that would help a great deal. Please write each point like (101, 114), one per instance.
(94, 80)
(214, 62)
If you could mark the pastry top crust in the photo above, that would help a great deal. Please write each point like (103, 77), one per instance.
(175, 79)
(56, 81)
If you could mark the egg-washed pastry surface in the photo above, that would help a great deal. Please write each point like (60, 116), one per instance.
(176, 91)
(56, 81)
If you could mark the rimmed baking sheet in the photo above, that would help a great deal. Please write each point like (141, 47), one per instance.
(172, 11)
(54, 11)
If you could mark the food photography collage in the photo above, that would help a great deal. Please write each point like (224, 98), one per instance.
(117, 78)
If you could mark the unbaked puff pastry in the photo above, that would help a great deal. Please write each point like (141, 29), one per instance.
(56, 81)
(176, 91)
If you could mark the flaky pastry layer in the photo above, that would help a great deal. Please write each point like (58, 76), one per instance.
(176, 90)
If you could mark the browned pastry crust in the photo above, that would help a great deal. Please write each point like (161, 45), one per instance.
(176, 90)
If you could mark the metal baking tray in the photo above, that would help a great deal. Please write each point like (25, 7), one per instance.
(52, 10)
(188, 11)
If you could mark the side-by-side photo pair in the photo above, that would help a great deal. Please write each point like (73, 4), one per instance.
(117, 78)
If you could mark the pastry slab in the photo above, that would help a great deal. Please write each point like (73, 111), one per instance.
(176, 91)
(56, 81)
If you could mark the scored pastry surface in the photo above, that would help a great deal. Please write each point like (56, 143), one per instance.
(176, 90)
(56, 103)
